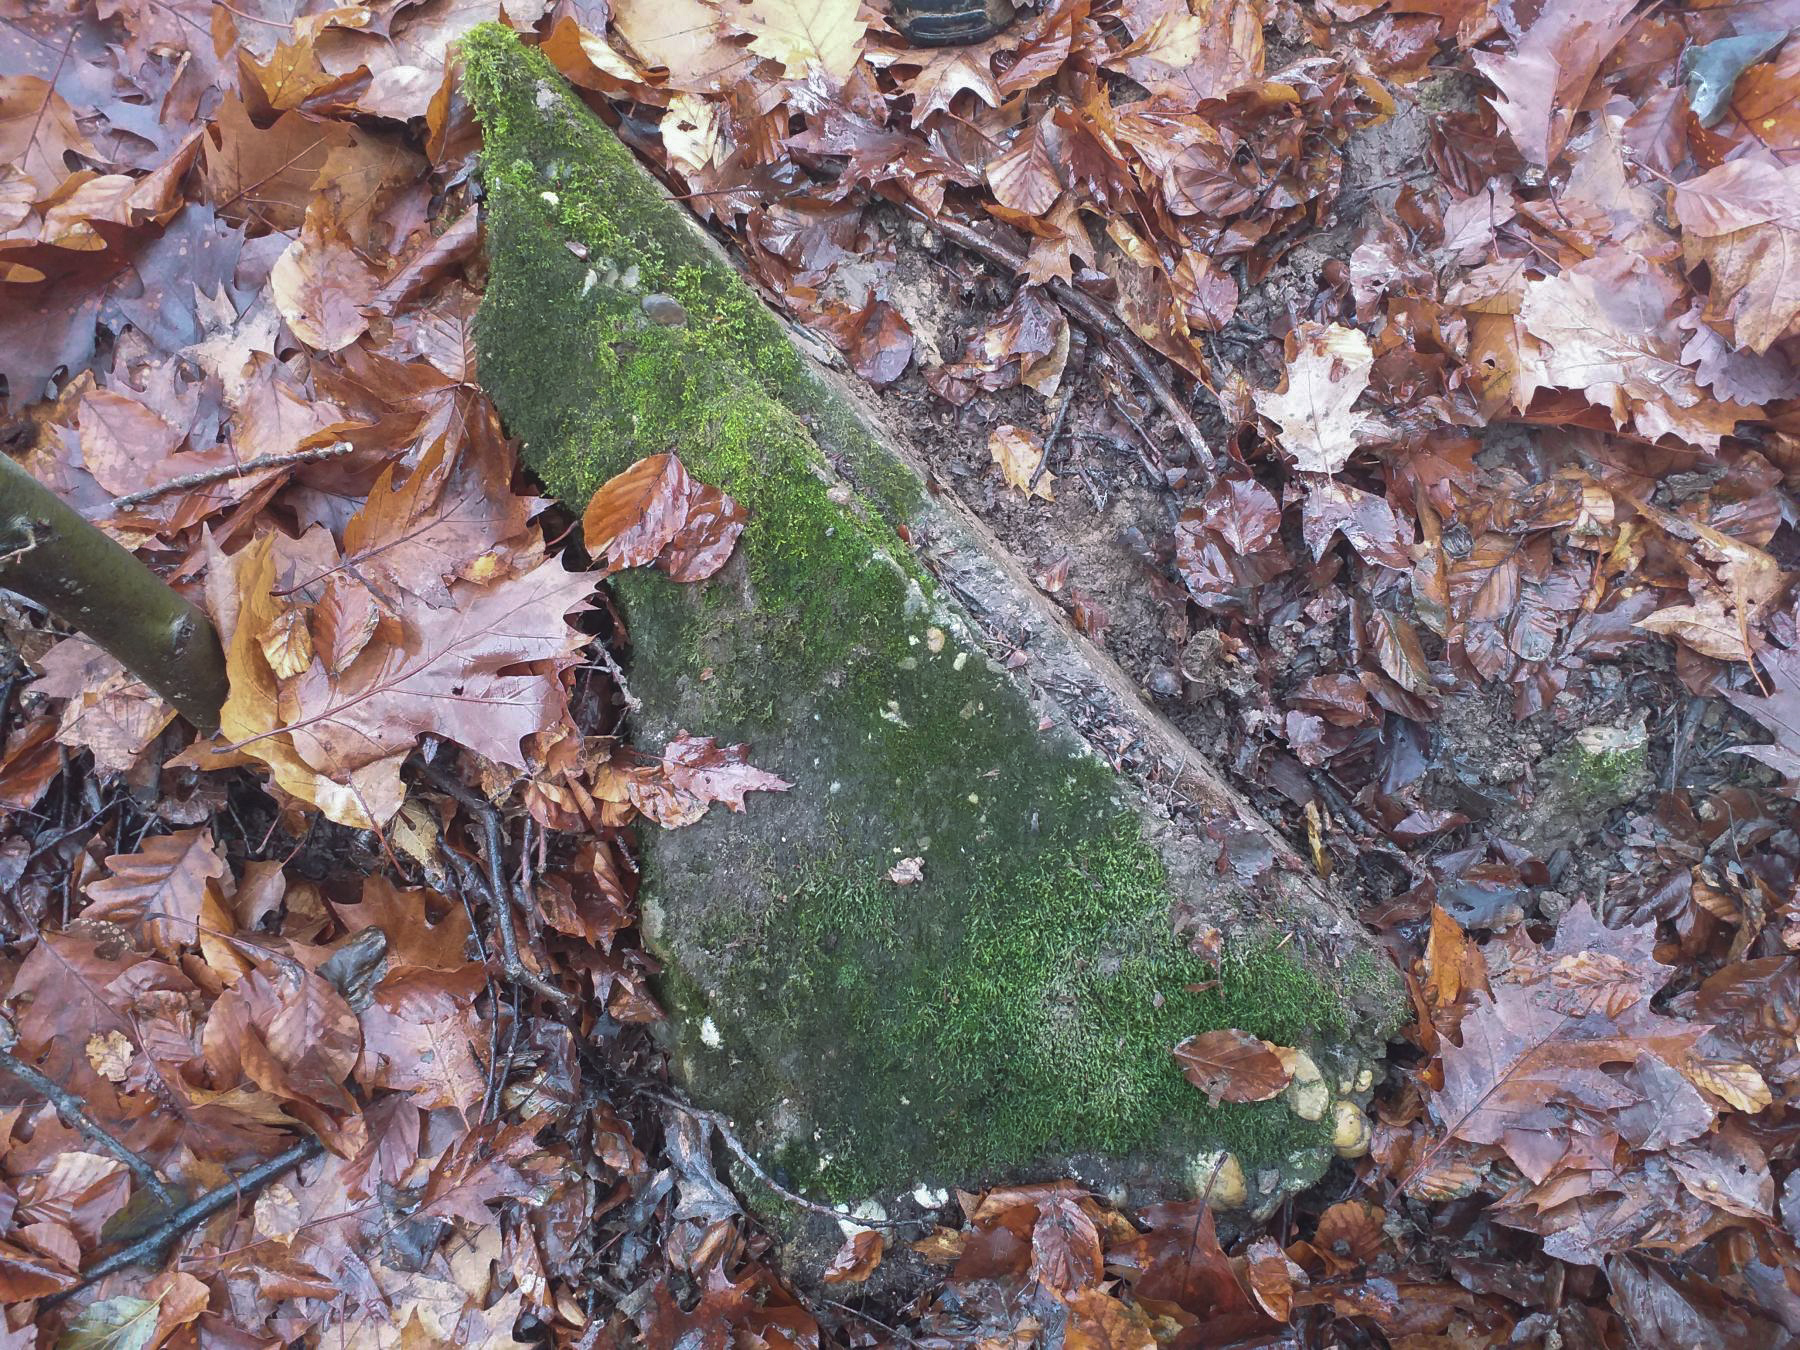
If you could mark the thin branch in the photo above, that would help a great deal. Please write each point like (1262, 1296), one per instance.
(208, 476)
(495, 887)
(154, 1245)
(75, 1114)
(1090, 314)
(1062, 415)
(736, 1145)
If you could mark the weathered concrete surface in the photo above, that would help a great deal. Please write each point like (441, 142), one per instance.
(1014, 1011)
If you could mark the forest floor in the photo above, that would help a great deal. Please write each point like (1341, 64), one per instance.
(1403, 391)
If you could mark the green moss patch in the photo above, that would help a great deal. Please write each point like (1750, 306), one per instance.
(1018, 1003)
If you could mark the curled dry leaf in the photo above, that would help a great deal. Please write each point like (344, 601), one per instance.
(1020, 455)
(857, 1259)
(1271, 1278)
(695, 772)
(1232, 1066)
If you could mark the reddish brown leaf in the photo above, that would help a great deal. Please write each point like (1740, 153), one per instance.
(654, 508)
(453, 507)
(1065, 1246)
(322, 285)
(1740, 219)
(1098, 1321)
(856, 1259)
(694, 773)
(1232, 1066)
(163, 889)
(1543, 80)
(30, 763)
(1351, 1230)
(1271, 1278)
(707, 536)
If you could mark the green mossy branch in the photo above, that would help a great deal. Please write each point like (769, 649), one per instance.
(50, 555)
(1023, 999)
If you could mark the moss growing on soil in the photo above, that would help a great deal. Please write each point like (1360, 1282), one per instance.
(1020, 1001)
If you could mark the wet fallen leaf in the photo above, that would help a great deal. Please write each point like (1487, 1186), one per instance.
(1020, 454)
(857, 1259)
(1232, 1066)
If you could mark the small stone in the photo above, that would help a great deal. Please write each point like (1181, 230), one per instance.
(869, 1210)
(1307, 1095)
(1219, 1179)
(1164, 683)
(665, 310)
(962, 659)
(934, 639)
(1350, 1132)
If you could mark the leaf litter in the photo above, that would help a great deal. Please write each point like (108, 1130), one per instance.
(1513, 418)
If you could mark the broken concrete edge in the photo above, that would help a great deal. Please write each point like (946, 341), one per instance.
(946, 1040)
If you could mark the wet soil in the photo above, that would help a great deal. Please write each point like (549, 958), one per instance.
(1103, 548)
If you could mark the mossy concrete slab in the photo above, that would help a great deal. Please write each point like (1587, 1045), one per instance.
(1014, 1010)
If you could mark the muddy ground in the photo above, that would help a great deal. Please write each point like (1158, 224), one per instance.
(1104, 548)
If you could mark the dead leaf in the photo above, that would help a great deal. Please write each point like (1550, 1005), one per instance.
(805, 36)
(857, 1259)
(162, 889)
(1742, 219)
(321, 285)
(1232, 1066)
(1328, 372)
(1020, 454)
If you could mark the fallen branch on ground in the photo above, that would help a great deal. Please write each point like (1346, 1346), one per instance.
(208, 476)
(1091, 315)
(154, 1245)
(743, 1154)
(494, 886)
(75, 1114)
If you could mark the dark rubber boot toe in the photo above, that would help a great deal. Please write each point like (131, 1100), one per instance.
(949, 23)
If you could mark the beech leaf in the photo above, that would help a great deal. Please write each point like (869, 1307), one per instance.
(1232, 1066)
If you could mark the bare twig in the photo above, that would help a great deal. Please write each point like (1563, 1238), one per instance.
(1091, 315)
(1056, 426)
(490, 1093)
(495, 886)
(736, 1145)
(604, 659)
(75, 1114)
(224, 471)
(154, 1245)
